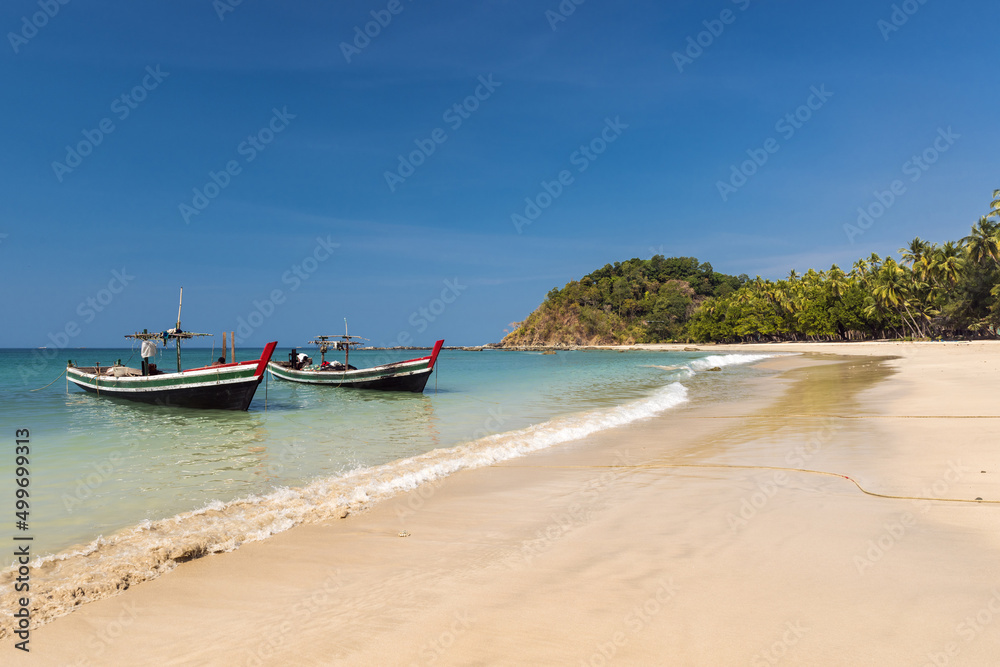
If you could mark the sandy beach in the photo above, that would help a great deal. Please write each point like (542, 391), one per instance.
(726, 532)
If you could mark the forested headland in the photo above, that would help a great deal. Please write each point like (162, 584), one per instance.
(949, 290)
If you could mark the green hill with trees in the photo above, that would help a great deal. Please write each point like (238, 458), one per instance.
(949, 290)
(640, 300)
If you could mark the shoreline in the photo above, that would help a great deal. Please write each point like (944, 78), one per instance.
(138, 552)
(393, 597)
(803, 346)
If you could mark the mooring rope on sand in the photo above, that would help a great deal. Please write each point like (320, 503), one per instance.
(762, 467)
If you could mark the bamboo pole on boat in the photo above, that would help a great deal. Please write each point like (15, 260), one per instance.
(232, 347)
(225, 346)
(180, 302)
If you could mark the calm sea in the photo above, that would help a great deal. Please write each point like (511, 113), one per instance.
(119, 480)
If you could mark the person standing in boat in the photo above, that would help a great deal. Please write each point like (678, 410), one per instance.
(148, 350)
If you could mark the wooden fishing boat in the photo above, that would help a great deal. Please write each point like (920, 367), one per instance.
(222, 386)
(409, 375)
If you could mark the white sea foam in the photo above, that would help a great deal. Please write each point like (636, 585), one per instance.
(691, 368)
(722, 360)
(109, 564)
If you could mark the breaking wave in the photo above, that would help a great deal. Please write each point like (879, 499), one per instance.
(722, 360)
(109, 565)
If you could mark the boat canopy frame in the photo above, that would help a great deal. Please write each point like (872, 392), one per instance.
(328, 342)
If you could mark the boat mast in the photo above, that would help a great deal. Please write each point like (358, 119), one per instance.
(176, 333)
(180, 303)
(325, 344)
(178, 329)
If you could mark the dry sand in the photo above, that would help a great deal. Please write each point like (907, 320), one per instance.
(658, 543)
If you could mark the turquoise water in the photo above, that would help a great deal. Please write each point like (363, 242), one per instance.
(145, 477)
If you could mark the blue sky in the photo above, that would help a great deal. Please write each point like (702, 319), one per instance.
(309, 128)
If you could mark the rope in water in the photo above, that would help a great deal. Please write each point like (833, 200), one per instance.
(778, 468)
(51, 383)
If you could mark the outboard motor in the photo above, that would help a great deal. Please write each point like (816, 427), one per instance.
(293, 357)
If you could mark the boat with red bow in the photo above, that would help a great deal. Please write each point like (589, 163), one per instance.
(225, 385)
(410, 375)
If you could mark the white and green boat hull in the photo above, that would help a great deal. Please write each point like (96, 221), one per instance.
(410, 375)
(224, 387)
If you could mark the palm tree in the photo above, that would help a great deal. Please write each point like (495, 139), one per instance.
(919, 256)
(916, 251)
(948, 262)
(838, 281)
(860, 269)
(893, 289)
(874, 262)
(982, 243)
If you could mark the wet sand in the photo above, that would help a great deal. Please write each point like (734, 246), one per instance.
(697, 538)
